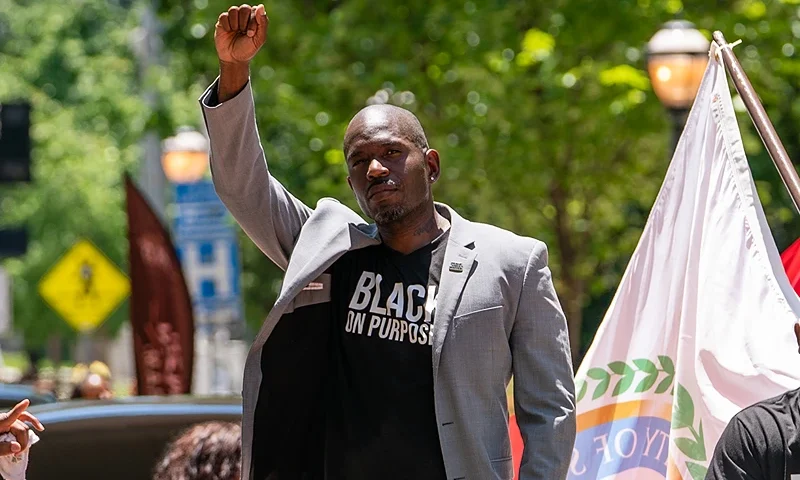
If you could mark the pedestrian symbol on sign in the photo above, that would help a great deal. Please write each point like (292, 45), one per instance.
(87, 276)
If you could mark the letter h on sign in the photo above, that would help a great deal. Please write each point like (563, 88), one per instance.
(208, 267)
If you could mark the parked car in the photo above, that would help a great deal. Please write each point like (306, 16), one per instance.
(11, 394)
(117, 439)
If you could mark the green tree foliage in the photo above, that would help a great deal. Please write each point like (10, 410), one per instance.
(542, 112)
(71, 60)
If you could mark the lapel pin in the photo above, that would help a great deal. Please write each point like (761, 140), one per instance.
(456, 267)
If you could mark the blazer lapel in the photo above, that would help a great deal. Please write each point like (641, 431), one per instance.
(327, 236)
(459, 261)
(332, 231)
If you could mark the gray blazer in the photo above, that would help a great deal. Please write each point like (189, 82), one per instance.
(496, 315)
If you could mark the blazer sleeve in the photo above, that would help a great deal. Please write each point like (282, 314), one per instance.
(544, 389)
(270, 215)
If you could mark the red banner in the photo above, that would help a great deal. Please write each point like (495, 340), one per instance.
(160, 306)
(791, 263)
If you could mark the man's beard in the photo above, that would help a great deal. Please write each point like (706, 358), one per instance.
(395, 214)
(389, 215)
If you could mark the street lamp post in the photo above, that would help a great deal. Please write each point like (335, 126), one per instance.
(147, 45)
(217, 355)
(677, 56)
(185, 161)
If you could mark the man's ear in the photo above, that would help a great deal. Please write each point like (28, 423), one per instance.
(350, 184)
(434, 167)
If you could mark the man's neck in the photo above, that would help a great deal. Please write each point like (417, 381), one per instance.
(415, 230)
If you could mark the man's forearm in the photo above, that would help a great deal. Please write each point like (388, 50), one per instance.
(232, 79)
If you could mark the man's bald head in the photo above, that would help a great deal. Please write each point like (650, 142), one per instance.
(389, 164)
(375, 119)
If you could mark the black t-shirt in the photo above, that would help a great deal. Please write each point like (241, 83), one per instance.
(381, 422)
(761, 442)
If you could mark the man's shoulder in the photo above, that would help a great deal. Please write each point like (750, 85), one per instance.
(493, 238)
(331, 207)
(330, 219)
(757, 439)
(770, 415)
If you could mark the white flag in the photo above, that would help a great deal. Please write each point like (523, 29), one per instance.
(702, 323)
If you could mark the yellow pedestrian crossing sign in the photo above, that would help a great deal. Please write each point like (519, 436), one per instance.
(84, 286)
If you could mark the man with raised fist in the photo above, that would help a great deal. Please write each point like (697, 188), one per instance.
(388, 352)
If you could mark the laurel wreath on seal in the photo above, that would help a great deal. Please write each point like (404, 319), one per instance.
(626, 374)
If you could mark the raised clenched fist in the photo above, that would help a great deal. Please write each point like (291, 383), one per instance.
(240, 32)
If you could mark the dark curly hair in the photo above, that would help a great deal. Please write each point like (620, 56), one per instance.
(207, 451)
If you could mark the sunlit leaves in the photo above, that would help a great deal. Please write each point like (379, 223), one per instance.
(536, 46)
(625, 75)
(753, 9)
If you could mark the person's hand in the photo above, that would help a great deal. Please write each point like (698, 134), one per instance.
(11, 421)
(239, 33)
